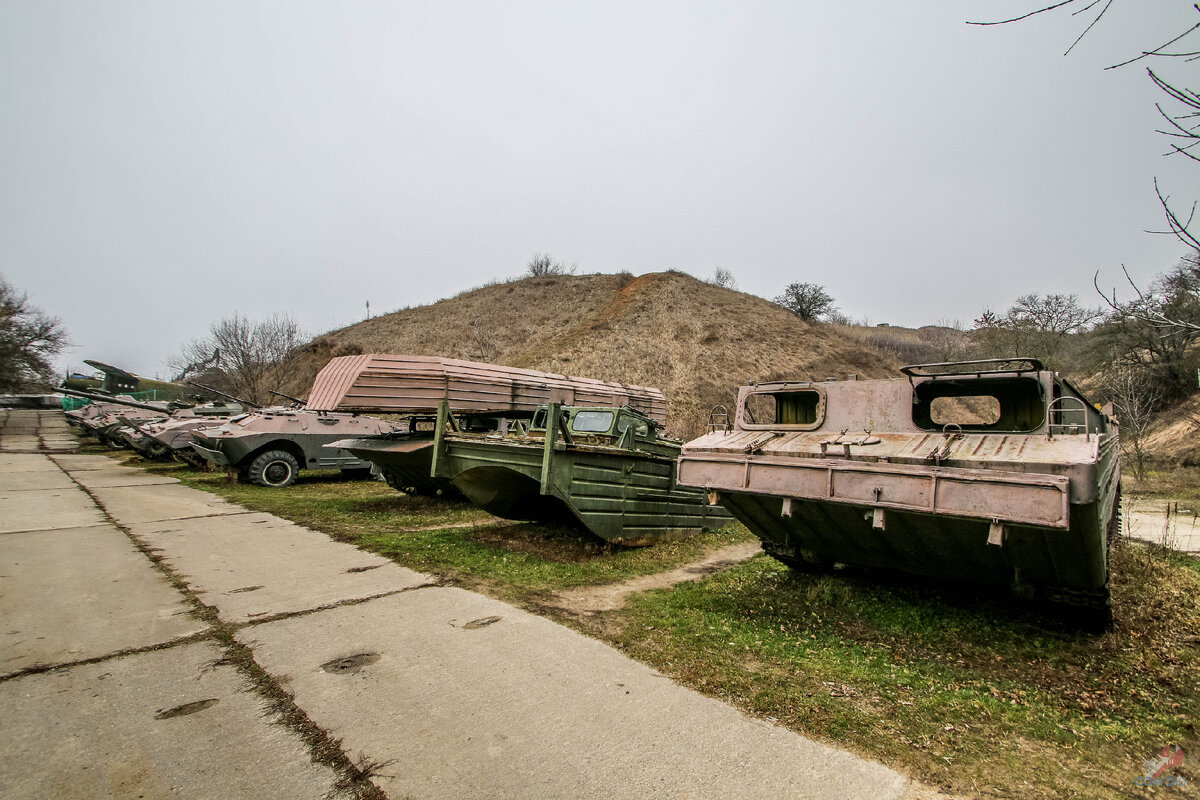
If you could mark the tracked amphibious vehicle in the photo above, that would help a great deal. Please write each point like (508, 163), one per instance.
(992, 472)
(606, 467)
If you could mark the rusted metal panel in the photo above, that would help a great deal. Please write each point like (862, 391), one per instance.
(403, 384)
(924, 475)
(1012, 497)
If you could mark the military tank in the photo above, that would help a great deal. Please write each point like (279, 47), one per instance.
(995, 472)
(606, 467)
(172, 436)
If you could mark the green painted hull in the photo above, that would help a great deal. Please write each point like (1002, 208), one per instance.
(622, 496)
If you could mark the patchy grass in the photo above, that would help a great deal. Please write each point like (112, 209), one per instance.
(517, 562)
(979, 695)
(1174, 483)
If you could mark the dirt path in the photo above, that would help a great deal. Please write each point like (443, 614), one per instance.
(592, 599)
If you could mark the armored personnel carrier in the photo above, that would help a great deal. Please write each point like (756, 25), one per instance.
(270, 446)
(106, 415)
(482, 397)
(606, 467)
(173, 435)
(993, 472)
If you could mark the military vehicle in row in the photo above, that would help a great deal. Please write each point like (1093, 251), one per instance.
(481, 397)
(106, 415)
(994, 472)
(270, 446)
(172, 437)
(606, 467)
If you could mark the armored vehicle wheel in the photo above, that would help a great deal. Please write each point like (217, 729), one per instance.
(276, 468)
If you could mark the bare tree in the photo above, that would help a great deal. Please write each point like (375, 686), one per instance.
(543, 264)
(1136, 396)
(723, 278)
(1035, 325)
(808, 301)
(251, 356)
(1180, 110)
(29, 339)
(485, 340)
(947, 341)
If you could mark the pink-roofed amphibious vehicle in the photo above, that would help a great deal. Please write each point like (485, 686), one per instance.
(991, 472)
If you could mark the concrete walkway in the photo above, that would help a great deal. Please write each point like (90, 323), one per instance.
(1170, 523)
(158, 641)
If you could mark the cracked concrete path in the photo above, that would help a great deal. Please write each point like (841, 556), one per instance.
(80, 593)
(469, 697)
(163, 724)
(1167, 522)
(107, 687)
(250, 566)
(457, 694)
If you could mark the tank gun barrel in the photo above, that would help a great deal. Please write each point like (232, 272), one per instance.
(104, 398)
(288, 397)
(219, 393)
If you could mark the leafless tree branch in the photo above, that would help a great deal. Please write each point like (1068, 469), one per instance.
(1026, 16)
(1156, 51)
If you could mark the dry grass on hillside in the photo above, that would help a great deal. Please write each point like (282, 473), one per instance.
(695, 341)
(1174, 438)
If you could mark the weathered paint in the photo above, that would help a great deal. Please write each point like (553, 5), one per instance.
(861, 474)
(406, 384)
(302, 433)
(619, 483)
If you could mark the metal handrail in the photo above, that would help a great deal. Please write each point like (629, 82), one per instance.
(1055, 414)
(1034, 365)
(721, 411)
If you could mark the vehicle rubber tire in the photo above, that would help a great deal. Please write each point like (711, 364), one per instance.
(274, 468)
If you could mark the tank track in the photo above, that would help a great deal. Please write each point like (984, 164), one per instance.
(405, 484)
(791, 559)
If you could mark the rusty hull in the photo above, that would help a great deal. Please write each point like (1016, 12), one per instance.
(865, 473)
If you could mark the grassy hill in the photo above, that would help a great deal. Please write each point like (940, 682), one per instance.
(695, 341)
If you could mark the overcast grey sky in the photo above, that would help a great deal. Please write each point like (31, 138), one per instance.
(163, 164)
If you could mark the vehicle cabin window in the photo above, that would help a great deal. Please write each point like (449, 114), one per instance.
(783, 408)
(640, 426)
(592, 422)
(999, 404)
(965, 411)
(539, 419)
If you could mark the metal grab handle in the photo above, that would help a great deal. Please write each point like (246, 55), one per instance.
(1055, 413)
(721, 411)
